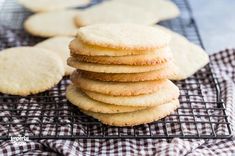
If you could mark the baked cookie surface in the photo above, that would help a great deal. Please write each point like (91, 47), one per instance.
(79, 47)
(138, 117)
(118, 88)
(124, 36)
(164, 73)
(187, 56)
(103, 68)
(51, 5)
(59, 45)
(78, 98)
(50, 24)
(29, 70)
(157, 7)
(162, 95)
(160, 56)
(115, 12)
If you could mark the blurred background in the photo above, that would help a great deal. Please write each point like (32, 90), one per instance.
(215, 20)
(216, 23)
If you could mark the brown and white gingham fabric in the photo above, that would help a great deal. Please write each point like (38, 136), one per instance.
(223, 64)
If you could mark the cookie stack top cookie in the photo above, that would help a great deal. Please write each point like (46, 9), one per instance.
(124, 36)
(124, 69)
(119, 39)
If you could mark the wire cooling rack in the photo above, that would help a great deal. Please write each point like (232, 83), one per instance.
(50, 116)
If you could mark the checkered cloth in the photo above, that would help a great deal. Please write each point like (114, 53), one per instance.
(223, 64)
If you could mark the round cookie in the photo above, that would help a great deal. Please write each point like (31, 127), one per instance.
(49, 24)
(160, 56)
(164, 73)
(118, 88)
(81, 48)
(51, 5)
(102, 68)
(59, 45)
(115, 12)
(78, 98)
(138, 117)
(124, 36)
(164, 94)
(29, 70)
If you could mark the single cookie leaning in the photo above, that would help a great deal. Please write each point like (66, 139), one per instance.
(81, 48)
(188, 57)
(49, 24)
(124, 36)
(51, 5)
(164, 94)
(119, 88)
(165, 73)
(102, 68)
(29, 70)
(160, 56)
(78, 98)
(58, 45)
(138, 117)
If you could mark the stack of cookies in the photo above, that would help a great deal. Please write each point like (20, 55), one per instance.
(122, 74)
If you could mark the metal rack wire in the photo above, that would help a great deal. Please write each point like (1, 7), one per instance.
(50, 116)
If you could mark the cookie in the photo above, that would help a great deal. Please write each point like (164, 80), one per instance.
(102, 68)
(160, 56)
(138, 117)
(49, 24)
(79, 99)
(157, 7)
(81, 48)
(29, 70)
(167, 72)
(115, 12)
(188, 57)
(51, 5)
(58, 45)
(165, 94)
(118, 88)
(124, 36)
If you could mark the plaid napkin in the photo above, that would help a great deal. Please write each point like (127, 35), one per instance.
(223, 64)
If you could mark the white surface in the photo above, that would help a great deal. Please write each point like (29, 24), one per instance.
(216, 22)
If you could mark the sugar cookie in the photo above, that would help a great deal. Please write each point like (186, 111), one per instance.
(78, 98)
(102, 68)
(160, 56)
(124, 36)
(29, 70)
(138, 117)
(49, 24)
(118, 88)
(81, 48)
(165, 73)
(51, 5)
(115, 12)
(163, 95)
(187, 56)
